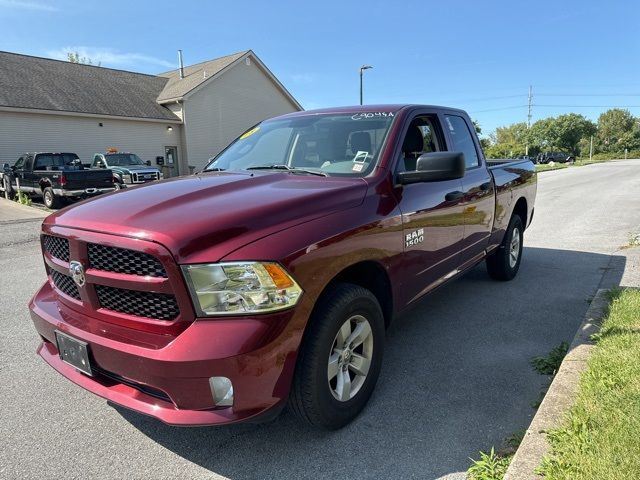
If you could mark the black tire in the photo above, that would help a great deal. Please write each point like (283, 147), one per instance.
(117, 186)
(312, 397)
(8, 188)
(49, 198)
(500, 264)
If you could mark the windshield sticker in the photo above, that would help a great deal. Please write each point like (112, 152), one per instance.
(361, 156)
(360, 116)
(357, 167)
(249, 133)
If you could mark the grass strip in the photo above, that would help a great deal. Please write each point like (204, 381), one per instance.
(600, 438)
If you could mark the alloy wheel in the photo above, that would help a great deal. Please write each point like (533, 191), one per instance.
(514, 248)
(350, 358)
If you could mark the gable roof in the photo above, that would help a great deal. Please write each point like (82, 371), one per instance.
(194, 75)
(200, 73)
(46, 84)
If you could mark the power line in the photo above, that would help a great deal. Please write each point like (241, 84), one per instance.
(499, 109)
(586, 106)
(588, 94)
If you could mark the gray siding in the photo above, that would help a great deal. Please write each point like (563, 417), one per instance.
(32, 132)
(225, 107)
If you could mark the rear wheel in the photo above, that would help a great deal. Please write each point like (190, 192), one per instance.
(50, 199)
(340, 360)
(503, 264)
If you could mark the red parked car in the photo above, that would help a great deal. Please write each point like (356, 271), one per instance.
(269, 278)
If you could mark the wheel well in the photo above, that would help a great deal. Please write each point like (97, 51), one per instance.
(521, 210)
(44, 184)
(372, 276)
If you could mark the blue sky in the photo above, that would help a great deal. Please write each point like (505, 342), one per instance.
(580, 56)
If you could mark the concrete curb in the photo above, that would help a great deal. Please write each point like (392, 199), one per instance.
(560, 397)
(11, 211)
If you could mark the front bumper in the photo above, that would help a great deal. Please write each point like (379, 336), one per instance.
(169, 378)
(80, 193)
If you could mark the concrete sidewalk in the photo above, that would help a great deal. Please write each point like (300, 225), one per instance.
(11, 212)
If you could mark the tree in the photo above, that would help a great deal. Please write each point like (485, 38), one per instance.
(617, 130)
(74, 57)
(561, 133)
(484, 142)
(570, 129)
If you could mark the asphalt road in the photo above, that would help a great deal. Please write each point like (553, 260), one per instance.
(456, 377)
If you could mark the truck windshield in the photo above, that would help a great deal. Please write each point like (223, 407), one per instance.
(328, 144)
(123, 159)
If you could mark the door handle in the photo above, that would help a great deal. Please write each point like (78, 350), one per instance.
(451, 196)
(485, 186)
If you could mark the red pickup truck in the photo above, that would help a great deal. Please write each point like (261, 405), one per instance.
(269, 278)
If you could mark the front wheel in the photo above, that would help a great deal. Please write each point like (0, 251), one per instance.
(50, 199)
(504, 262)
(340, 359)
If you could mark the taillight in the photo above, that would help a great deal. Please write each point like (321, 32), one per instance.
(63, 180)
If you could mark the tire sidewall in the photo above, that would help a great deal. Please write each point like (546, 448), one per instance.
(333, 412)
(48, 192)
(516, 222)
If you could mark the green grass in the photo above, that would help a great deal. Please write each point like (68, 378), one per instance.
(493, 465)
(545, 167)
(600, 438)
(580, 162)
(490, 466)
(549, 364)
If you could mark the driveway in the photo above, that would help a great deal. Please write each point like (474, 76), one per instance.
(456, 377)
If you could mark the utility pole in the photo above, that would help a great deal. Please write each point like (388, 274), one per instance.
(526, 150)
(591, 148)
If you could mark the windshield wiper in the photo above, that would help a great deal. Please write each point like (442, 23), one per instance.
(286, 167)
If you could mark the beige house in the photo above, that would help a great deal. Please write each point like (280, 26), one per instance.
(177, 118)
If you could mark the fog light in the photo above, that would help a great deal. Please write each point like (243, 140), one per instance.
(222, 391)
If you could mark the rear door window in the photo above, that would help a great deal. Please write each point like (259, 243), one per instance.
(462, 140)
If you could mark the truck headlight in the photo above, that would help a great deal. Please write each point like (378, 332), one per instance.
(240, 287)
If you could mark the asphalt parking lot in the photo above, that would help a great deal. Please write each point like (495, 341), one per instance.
(456, 375)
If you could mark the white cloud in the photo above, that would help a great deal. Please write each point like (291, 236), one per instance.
(109, 57)
(27, 5)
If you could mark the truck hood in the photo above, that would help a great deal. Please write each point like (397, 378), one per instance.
(204, 217)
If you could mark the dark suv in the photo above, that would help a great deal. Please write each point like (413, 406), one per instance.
(557, 157)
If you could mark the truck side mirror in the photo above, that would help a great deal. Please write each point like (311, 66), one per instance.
(148, 163)
(435, 167)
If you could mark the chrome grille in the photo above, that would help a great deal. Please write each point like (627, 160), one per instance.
(57, 247)
(142, 304)
(65, 284)
(122, 260)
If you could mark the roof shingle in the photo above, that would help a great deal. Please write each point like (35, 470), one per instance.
(194, 75)
(45, 84)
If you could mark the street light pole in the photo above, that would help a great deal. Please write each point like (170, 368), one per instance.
(362, 69)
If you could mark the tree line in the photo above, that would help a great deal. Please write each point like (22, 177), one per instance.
(616, 130)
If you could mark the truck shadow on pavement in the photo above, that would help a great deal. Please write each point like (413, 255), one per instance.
(456, 379)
